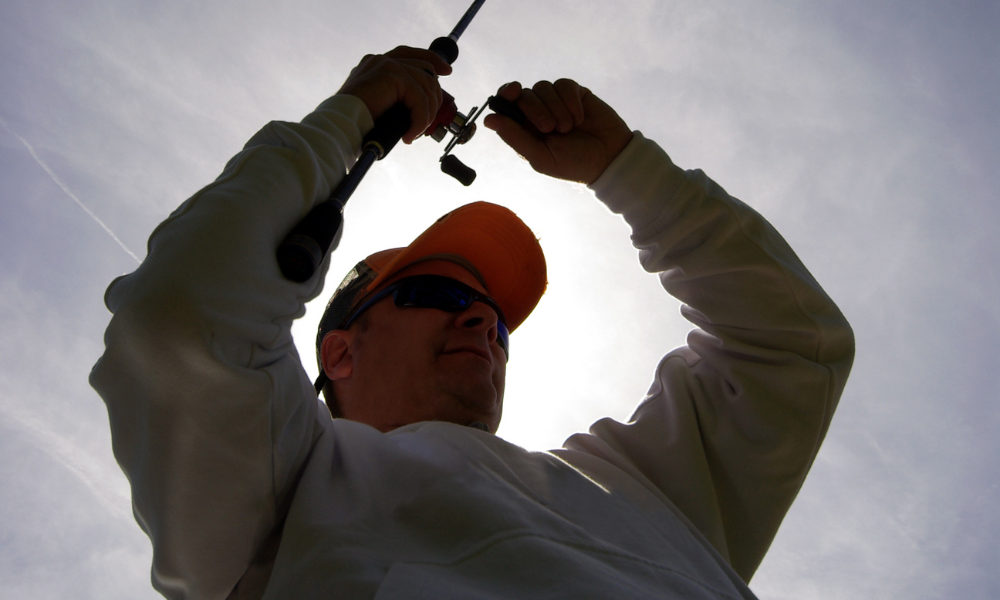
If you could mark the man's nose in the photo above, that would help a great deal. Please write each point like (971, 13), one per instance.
(479, 316)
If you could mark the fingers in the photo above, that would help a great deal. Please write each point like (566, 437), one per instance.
(523, 140)
(402, 75)
(549, 107)
(420, 92)
(510, 91)
(553, 107)
(569, 133)
(572, 96)
(438, 65)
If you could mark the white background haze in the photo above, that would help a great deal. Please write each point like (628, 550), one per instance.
(866, 132)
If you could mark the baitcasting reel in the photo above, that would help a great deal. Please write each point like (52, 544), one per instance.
(308, 243)
(462, 128)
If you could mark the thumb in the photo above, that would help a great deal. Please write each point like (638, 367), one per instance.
(518, 137)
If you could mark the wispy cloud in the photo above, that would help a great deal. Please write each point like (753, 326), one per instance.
(863, 131)
(67, 454)
(55, 179)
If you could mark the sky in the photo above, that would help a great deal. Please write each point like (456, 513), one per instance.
(866, 132)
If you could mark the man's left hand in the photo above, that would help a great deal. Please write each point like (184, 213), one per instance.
(569, 133)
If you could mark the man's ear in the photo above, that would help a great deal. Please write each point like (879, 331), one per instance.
(335, 353)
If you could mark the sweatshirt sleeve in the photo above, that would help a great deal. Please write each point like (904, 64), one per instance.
(734, 419)
(211, 413)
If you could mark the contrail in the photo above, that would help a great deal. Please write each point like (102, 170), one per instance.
(67, 191)
(91, 473)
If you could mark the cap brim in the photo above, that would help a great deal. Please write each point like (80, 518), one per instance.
(492, 238)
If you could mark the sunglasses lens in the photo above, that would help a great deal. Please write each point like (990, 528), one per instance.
(423, 295)
(444, 294)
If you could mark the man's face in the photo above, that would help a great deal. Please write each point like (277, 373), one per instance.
(422, 364)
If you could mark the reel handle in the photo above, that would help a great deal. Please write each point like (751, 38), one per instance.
(505, 107)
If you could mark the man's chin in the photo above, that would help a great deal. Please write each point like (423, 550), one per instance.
(483, 407)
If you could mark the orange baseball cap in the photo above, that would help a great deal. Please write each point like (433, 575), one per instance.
(489, 240)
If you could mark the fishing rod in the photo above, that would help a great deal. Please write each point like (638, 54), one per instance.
(305, 247)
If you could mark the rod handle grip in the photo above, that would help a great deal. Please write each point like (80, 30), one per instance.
(388, 130)
(300, 255)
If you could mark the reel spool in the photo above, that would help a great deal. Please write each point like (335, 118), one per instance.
(462, 128)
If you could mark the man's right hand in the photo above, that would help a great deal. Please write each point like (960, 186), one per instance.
(404, 75)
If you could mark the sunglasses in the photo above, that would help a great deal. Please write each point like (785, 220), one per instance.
(442, 293)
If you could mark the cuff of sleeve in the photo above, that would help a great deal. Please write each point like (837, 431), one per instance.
(351, 107)
(638, 181)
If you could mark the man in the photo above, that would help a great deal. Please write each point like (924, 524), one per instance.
(248, 488)
(483, 271)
